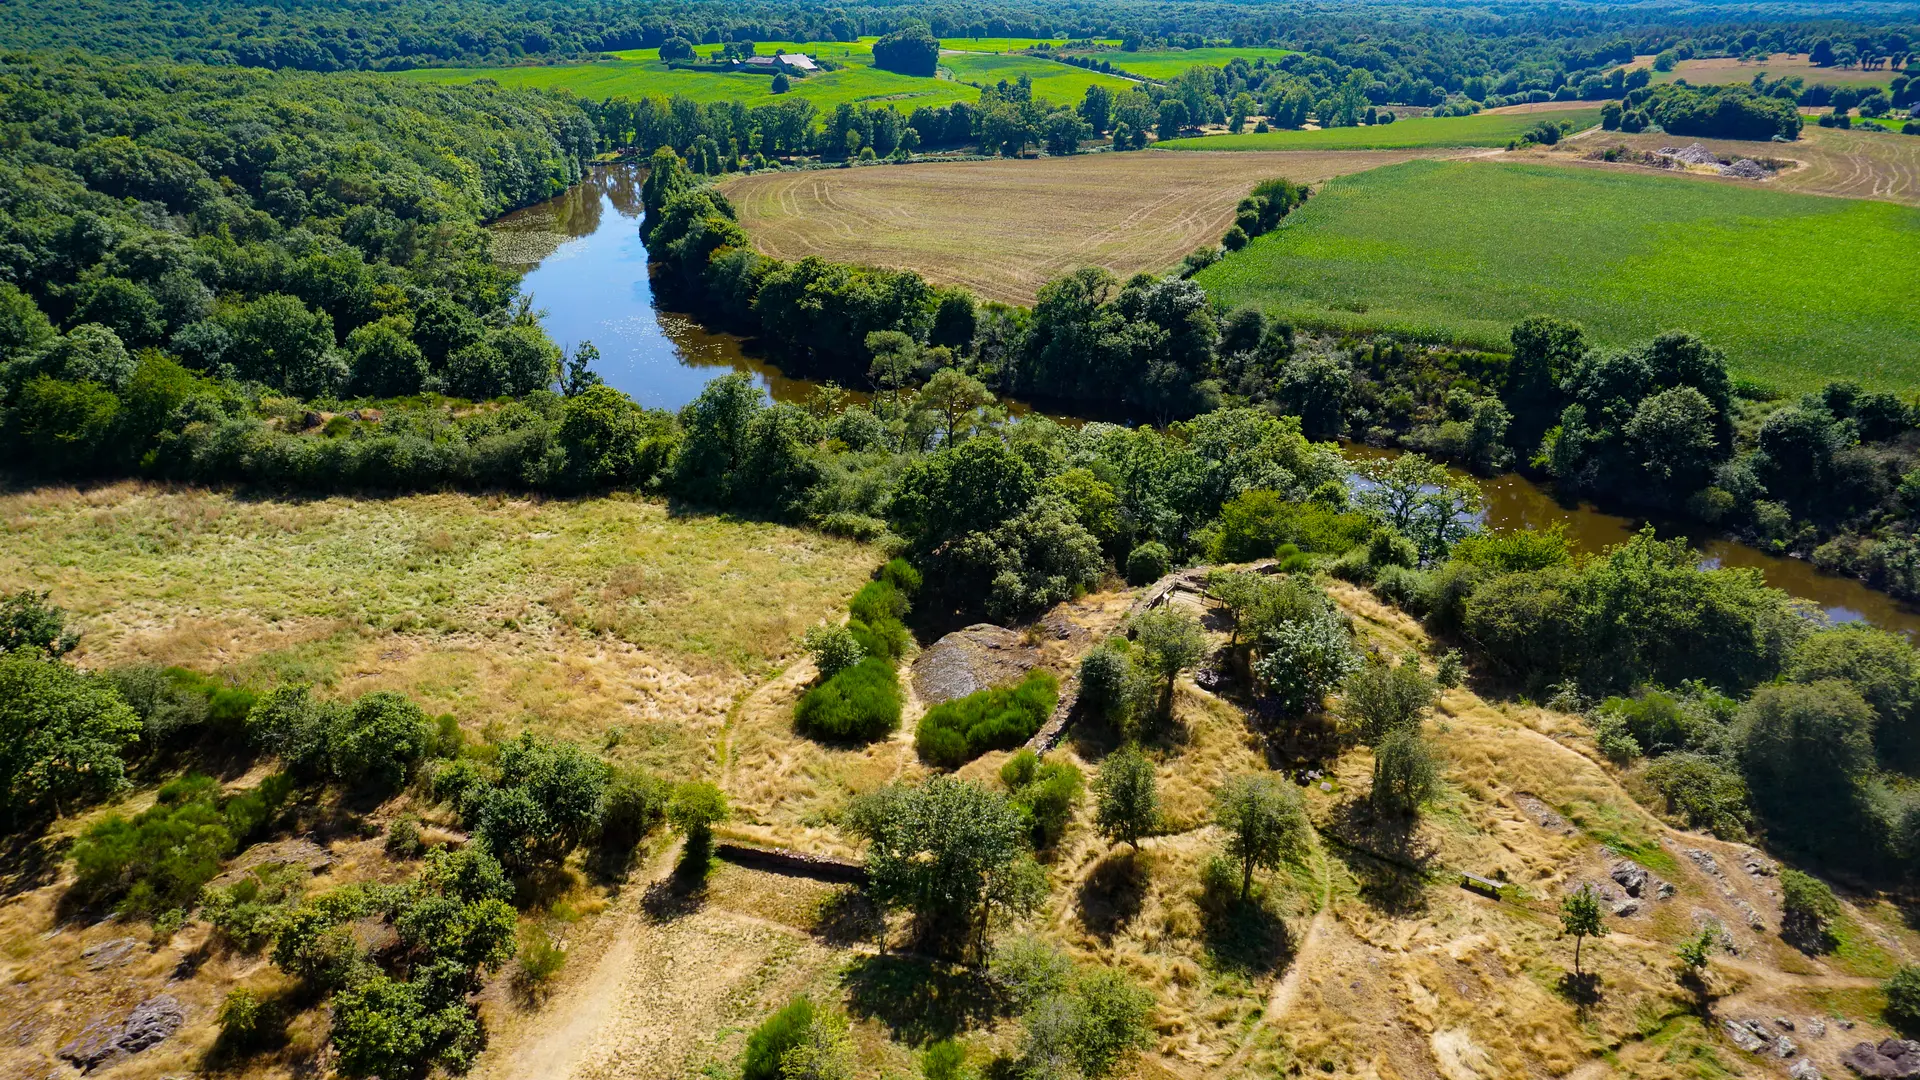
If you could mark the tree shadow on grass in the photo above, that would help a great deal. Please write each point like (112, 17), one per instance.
(30, 860)
(1112, 894)
(684, 891)
(1385, 856)
(1582, 990)
(849, 918)
(1247, 936)
(919, 1000)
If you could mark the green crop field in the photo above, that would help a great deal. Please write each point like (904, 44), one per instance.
(640, 73)
(1166, 63)
(1797, 289)
(1481, 130)
(1002, 44)
(1052, 80)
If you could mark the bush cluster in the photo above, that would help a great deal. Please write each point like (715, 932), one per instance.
(159, 859)
(858, 697)
(955, 732)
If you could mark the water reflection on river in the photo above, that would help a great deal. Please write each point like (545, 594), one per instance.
(586, 268)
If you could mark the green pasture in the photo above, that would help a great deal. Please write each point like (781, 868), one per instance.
(1797, 289)
(1480, 130)
(1166, 63)
(1052, 80)
(635, 78)
(1002, 44)
(641, 73)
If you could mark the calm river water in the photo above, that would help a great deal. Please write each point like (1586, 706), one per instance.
(587, 270)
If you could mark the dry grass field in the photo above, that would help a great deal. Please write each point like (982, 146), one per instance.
(1724, 70)
(1867, 164)
(1389, 973)
(1387, 969)
(1005, 228)
(577, 616)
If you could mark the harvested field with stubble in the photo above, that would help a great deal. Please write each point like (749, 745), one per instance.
(1881, 165)
(575, 616)
(1005, 228)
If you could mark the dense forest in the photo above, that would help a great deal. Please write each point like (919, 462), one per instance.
(311, 232)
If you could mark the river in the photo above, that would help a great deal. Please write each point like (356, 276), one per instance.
(587, 270)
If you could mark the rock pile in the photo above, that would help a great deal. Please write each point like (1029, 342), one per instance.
(1893, 1059)
(152, 1021)
(1699, 157)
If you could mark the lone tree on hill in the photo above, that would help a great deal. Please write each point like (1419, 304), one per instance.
(1127, 801)
(1265, 823)
(1580, 916)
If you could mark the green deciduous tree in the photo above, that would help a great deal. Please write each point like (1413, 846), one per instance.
(1382, 698)
(1170, 641)
(1405, 774)
(948, 851)
(1126, 796)
(1580, 916)
(1265, 823)
(1420, 500)
(61, 735)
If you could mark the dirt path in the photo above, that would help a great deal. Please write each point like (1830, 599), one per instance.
(583, 1007)
(665, 993)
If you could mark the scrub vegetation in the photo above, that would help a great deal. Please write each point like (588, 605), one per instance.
(384, 694)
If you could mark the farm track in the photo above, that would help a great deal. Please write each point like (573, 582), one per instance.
(1005, 228)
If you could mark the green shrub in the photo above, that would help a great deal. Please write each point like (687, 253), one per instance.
(1148, 563)
(955, 732)
(1808, 911)
(246, 1021)
(403, 837)
(887, 638)
(1707, 792)
(540, 960)
(901, 575)
(164, 705)
(861, 703)
(1110, 685)
(380, 741)
(879, 600)
(248, 912)
(162, 857)
(635, 804)
(834, 649)
(945, 1060)
(776, 1035)
(1903, 998)
(1046, 792)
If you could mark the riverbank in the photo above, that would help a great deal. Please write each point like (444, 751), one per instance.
(587, 268)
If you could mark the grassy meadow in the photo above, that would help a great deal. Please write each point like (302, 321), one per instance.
(1052, 80)
(1167, 63)
(638, 73)
(1000, 44)
(1423, 131)
(577, 616)
(1796, 289)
